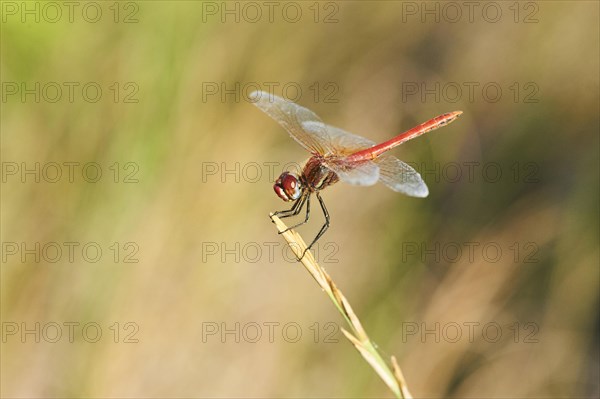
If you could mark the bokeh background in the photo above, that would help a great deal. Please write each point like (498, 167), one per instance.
(187, 167)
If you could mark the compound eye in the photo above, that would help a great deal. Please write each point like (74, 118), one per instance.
(289, 183)
(287, 187)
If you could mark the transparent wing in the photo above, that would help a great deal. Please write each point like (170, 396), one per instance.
(400, 177)
(333, 143)
(365, 173)
(388, 169)
(346, 143)
(301, 123)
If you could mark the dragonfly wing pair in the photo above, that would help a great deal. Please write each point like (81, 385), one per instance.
(334, 145)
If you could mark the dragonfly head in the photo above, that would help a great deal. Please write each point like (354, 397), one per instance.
(288, 186)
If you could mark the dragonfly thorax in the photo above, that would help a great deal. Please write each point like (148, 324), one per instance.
(288, 186)
(316, 176)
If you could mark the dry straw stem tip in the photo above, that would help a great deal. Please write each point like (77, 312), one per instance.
(392, 377)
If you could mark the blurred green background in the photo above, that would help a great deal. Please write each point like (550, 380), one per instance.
(187, 167)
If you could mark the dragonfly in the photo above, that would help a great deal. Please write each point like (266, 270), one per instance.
(337, 155)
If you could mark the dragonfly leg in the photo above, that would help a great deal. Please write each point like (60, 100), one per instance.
(305, 219)
(294, 210)
(323, 229)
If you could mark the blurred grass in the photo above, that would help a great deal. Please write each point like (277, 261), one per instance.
(171, 133)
